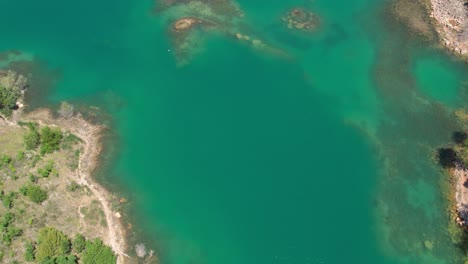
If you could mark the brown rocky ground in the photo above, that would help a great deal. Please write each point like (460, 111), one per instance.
(451, 18)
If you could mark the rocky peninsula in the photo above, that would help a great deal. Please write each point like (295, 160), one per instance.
(47, 189)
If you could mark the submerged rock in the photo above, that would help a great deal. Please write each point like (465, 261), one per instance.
(428, 244)
(301, 19)
(185, 23)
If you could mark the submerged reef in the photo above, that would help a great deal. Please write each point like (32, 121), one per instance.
(301, 19)
(191, 20)
(415, 15)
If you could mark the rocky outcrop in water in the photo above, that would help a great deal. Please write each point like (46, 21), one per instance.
(191, 20)
(301, 19)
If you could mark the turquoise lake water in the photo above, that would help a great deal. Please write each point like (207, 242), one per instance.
(242, 156)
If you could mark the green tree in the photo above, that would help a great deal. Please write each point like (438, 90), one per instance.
(8, 98)
(79, 243)
(51, 243)
(50, 139)
(97, 252)
(32, 138)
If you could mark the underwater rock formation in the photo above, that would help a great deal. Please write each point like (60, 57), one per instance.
(301, 19)
(191, 20)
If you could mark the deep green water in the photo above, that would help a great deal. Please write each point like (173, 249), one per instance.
(244, 157)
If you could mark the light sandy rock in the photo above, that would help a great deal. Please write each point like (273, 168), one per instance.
(452, 23)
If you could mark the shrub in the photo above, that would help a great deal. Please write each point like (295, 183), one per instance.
(6, 221)
(70, 140)
(47, 170)
(51, 243)
(32, 178)
(32, 138)
(50, 139)
(20, 155)
(7, 199)
(34, 193)
(29, 251)
(5, 160)
(97, 252)
(79, 243)
(9, 234)
(7, 231)
(73, 186)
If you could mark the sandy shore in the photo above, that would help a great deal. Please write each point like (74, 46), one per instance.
(91, 136)
(451, 17)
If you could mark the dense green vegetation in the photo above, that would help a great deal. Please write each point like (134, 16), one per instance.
(54, 247)
(50, 139)
(8, 99)
(34, 193)
(32, 138)
(97, 252)
(51, 243)
(47, 139)
(79, 243)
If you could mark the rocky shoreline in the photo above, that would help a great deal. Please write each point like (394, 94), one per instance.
(460, 175)
(451, 23)
(91, 137)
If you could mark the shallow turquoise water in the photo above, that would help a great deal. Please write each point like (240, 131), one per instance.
(244, 157)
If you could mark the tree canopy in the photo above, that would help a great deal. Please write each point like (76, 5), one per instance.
(50, 139)
(97, 252)
(8, 98)
(51, 243)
